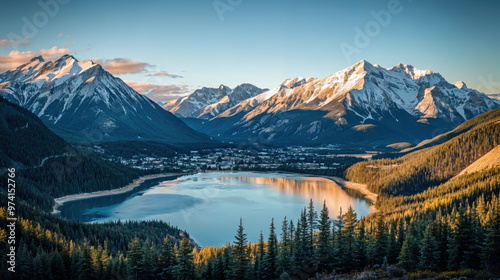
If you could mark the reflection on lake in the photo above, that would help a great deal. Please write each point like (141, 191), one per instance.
(209, 205)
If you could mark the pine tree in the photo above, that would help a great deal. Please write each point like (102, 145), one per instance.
(460, 241)
(349, 253)
(441, 236)
(208, 271)
(324, 241)
(429, 251)
(362, 248)
(260, 247)
(301, 240)
(226, 257)
(473, 256)
(259, 256)
(339, 243)
(96, 261)
(291, 237)
(75, 258)
(380, 242)
(284, 252)
(166, 261)
(185, 268)
(312, 217)
(105, 262)
(269, 262)
(57, 266)
(408, 258)
(250, 273)
(40, 265)
(240, 259)
(219, 272)
(491, 248)
(85, 270)
(392, 244)
(149, 261)
(134, 258)
(24, 263)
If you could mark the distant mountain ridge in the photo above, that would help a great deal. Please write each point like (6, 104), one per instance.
(363, 104)
(206, 103)
(87, 102)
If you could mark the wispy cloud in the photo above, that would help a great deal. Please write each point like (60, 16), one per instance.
(120, 65)
(5, 42)
(158, 92)
(60, 35)
(16, 58)
(165, 74)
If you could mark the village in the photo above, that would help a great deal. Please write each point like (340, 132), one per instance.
(226, 159)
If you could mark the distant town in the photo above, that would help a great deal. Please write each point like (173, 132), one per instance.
(326, 159)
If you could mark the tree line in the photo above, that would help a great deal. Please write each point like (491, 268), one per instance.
(313, 246)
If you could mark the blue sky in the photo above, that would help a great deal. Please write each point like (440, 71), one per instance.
(174, 47)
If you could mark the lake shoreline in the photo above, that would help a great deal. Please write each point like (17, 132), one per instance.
(136, 183)
(362, 188)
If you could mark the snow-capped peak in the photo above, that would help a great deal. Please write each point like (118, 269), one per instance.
(412, 71)
(67, 57)
(81, 97)
(38, 58)
(460, 84)
(62, 69)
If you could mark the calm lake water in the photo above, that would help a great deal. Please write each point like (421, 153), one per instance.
(209, 205)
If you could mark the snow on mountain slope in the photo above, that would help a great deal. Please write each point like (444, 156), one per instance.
(367, 90)
(85, 100)
(401, 102)
(193, 104)
(206, 103)
(250, 103)
(233, 97)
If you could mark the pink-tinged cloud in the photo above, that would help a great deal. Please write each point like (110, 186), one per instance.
(158, 92)
(59, 35)
(16, 58)
(165, 74)
(119, 66)
(6, 42)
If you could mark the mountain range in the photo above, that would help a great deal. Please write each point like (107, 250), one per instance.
(207, 103)
(83, 102)
(363, 104)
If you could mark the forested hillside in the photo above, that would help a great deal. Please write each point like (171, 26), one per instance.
(417, 171)
(46, 167)
(49, 247)
(24, 139)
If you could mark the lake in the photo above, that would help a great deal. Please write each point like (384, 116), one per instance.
(209, 205)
